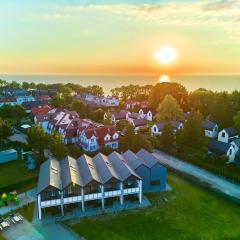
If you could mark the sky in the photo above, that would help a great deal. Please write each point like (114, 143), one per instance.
(119, 37)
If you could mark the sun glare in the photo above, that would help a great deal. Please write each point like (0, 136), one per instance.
(164, 78)
(165, 55)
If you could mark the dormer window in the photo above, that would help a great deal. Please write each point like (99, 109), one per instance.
(223, 134)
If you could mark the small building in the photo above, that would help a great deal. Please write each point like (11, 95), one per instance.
(210, 128)
(147, 114)
(8, 156)
(157, 173)
(236, 144)
(117, 116)
(157, 128)
(227, 135)
(221, 148)
(139, 124)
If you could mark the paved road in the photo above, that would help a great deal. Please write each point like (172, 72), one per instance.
(217, 183)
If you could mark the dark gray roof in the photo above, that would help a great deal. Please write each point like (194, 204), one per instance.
(237, 142)
(123, 170)
(218, 147)
(50, 175)
(147, 157)
(174, 124)
(208, 125)
(88, 170)
(70, 172)
(231, 131)
(237, 157)
(105, 168)
(133, 160)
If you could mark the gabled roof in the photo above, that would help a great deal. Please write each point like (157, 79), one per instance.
(237, 142)
(88, 170)
(174, 124)
(147, 158)
(40, 110)
(133, 160)
(50, 175)
(105, 168)
(209, 125)
(123, 170)
(70, 172)
(231, 131)
(139, 122)
(218, 147)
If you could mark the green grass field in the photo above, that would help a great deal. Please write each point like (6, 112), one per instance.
(191, 213)
(15, 172)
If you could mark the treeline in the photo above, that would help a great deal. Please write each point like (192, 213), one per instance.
(59, 87)
(220, 107)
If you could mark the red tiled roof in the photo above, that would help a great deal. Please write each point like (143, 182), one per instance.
(40, 110)
(43, 97)
(100, 133)
(7, 99)
(139, 122)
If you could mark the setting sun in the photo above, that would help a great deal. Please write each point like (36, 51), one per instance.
(165, 55)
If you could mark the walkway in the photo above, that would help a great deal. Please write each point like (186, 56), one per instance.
(214, 182)
(24, 198)
(27, 231)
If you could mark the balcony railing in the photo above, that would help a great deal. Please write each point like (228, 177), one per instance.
(89, 197)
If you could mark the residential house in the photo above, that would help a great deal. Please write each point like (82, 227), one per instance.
(91, 139)
(222, 148)
(152, 173)
(147, 113)
(210, 128)
(40, 110)
(227, 135)
(157, 128)
(117, 116)
(131, 104)
(8, 101)
(139, 124)
(34, 104)
(72, 181)
(157, 172)
(15, 92)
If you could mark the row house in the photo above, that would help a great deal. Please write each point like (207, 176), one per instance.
(91, 139)
(115, 177)
(19, 100)
(132, 103)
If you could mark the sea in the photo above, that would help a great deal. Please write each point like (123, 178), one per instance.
(212, 82)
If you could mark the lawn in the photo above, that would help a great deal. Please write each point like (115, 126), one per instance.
(16, 173)
(191, 213)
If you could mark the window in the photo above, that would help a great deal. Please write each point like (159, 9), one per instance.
(223, 134)
(230, 152)
(155, 183)
(155, 129)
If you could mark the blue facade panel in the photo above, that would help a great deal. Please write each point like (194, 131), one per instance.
(158, 178)
(153, 179)
(144, 172)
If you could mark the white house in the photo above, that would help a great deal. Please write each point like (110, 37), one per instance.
(91, 139)
(147, 114)
(222, 148)
(210, 128)
(227, 135)
(157, 128)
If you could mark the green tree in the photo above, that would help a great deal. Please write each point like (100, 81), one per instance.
(37, 139)
(193, 133)
(160, 90)
(236, 120)
(58, 101)
(79, 107)
(95, 90)
(108, 119)
(66, 91)
(5, 130)
(56, 146)
(167, 137)
(169, 110)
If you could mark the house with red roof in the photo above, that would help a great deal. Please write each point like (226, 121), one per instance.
(40, 110)
(91, 139)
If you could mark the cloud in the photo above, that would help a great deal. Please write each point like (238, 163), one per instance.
(219, 5)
